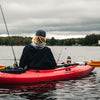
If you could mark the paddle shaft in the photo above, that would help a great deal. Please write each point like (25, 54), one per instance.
(97, 64)
(93, 64)
(67, 65)
(15, 61)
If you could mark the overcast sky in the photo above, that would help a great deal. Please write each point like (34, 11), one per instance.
(59, 18)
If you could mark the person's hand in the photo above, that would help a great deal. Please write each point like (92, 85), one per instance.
(15, 64)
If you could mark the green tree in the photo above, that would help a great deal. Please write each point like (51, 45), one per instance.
(91, 39)
(52, 41)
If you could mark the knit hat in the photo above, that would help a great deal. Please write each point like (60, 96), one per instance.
(41, 33)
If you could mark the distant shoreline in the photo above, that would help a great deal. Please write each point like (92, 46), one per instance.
(89, 40)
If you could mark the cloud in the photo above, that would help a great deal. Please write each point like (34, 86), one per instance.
(61, 16)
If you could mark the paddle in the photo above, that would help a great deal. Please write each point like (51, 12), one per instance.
(2, 67)
(91, 63)
(94, 63)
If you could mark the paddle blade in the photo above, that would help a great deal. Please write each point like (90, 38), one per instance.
(2, 67)
(94, 63)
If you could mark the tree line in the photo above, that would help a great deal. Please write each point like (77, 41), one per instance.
(89, 40)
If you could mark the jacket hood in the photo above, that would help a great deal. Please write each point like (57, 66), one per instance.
(38, 45)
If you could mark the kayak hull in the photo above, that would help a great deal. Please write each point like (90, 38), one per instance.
(32, 76)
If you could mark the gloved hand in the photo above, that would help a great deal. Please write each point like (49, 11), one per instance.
(15, 64)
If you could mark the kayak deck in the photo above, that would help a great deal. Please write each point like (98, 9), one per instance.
(32, 76)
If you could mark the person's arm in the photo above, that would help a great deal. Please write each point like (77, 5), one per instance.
(52, 61)
(23, 59)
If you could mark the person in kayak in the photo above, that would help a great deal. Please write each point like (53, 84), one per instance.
(36, 55)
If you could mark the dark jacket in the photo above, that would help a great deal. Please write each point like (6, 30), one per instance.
(37, 58)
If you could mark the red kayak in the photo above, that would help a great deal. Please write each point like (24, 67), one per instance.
(32, 76)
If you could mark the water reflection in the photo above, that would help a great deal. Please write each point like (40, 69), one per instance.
(85, 88)
(29, 91)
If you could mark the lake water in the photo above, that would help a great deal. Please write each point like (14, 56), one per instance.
(86, 88)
